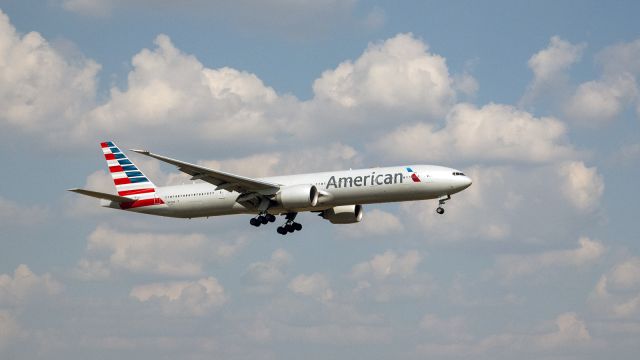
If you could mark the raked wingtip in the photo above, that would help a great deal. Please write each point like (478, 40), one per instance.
(139, 151)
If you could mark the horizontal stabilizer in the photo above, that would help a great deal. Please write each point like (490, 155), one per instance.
(101, 195)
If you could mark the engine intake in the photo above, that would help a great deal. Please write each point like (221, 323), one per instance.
(297, 196)
(345, 214)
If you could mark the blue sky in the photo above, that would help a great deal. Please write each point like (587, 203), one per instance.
(538, 101)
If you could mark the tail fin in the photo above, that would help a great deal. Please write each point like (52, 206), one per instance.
(128, 179)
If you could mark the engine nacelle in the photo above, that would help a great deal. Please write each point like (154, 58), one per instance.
(345, 214)
(297, 196)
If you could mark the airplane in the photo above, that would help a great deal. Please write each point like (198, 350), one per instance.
(337, 196)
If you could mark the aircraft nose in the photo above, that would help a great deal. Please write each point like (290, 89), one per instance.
(466, 182)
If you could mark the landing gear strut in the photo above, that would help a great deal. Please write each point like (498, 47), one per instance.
(440, 209)
(262, 219)
(289, 226)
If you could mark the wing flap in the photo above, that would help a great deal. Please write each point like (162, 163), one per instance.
(101, 195)
(223, 180)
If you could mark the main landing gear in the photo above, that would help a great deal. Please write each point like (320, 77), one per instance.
(288, 227)
(440, 209)
(262, 219)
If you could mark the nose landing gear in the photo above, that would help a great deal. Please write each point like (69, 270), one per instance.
(440, 209)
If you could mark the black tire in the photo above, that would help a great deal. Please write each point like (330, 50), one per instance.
(289, 228)
(263, 219)
(297, 226)
(254, 222)
(440, 210)
(281, 230)
(271, 217)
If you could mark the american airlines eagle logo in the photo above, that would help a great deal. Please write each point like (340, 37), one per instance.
(414, 176)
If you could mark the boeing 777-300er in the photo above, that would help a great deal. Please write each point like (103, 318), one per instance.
(336, 196)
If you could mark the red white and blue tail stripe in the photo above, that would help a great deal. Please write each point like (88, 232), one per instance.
(127, 177)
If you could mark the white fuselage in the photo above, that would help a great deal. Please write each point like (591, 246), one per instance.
(362, 186)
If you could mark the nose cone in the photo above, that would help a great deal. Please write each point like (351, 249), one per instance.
(467, 182)
(463, 182)
(457, 180)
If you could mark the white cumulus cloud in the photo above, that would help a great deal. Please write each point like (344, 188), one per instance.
(261, 276)
(38, 83)
(375, 222)
(570, 329)
(25, 285)
(397, 73)
(391, 275)
(621, 58)
(150, 253)
(617, 292)
(550, 70)
(315, 285)
(581, 185)
(16, 214)
(174, 90)
(626, 275)
(183, 297)
(388, 264)
(170, 92)
(513, 266)
(547, 64)
(598, 102)
(493, 132)
(567, 331)
(10, 330)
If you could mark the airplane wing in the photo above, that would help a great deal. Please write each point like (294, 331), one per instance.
(101, 195)
(221, 179)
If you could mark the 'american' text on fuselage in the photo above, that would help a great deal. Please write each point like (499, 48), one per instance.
(366, 180)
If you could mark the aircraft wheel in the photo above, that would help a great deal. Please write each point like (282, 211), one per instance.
(255, 222)
(289, 228)
(270, 217)
(263, 219)
(297, 226)
(281, 230)
(440, 210)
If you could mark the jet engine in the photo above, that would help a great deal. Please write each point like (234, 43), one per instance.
(345, 214)
(297, 196)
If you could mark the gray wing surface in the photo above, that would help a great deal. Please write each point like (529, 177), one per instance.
(221, 179)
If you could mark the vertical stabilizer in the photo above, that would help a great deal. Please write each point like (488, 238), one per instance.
(127, 177)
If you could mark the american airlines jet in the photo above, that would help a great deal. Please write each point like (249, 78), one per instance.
(336, 196)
